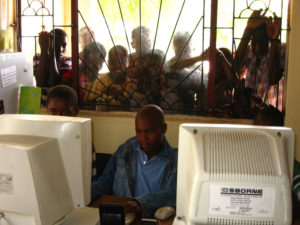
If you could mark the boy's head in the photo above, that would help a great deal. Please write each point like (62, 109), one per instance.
(62, 101)
(93, 55)
(150, 128)
(85, 36)
(141, 41)
(117, 59)
(260, 41)
(181, 39)
(61, 42)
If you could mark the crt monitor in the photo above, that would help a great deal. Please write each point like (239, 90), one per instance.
(45, 167)
(234, 174)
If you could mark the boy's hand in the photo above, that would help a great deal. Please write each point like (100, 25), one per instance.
(45, 41)
(132, 207)
(273, 27)
(256, 19)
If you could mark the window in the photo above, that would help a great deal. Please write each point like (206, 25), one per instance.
(154, 73)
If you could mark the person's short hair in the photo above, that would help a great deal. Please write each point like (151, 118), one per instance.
(59, 32)
(63, 92)
(93, 48)
(181, 38)
(122, 51)
(152, 111)
(261, 32)
(227, 53)
(143, 33)
(86, 31)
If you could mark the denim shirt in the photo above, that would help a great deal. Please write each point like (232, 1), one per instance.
(119, 178)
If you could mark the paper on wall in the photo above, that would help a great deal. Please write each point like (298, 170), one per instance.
(8, 76)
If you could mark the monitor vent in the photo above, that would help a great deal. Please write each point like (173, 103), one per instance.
(216, 221)
(231, 153)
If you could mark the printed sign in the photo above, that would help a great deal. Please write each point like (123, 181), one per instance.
(6, 183)
(241, 201)
(8, 76)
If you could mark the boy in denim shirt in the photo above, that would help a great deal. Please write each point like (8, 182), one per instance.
(144, 168)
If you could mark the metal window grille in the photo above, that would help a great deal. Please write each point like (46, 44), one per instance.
(149, 78)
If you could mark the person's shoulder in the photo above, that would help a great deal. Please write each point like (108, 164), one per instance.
(104, 77)
(65, 62)
(171, 150)
(128, 145)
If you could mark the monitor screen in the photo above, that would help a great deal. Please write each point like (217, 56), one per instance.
(45, 167)
(234, 174)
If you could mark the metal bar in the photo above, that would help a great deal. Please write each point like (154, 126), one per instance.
(112, 74)
(233, 46)
(63, 26)
(35, 47)
(19, 25)
(75, 61)
(140, 16)
(162, 65)
(233, 22)
(53, 24)
(125, 30)
(157, 24)
(108, 31)
(93, 38)
(212, 55)
(30, 36)
(174, 68)
(42, 8)
(202, 69)
(277, 89)
(186, 77)
(220, 28)
(36, 15)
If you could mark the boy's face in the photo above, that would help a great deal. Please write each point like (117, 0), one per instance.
(186, 53)
(135, 42)
(84, 39)
(59, 107)
(149, 134)
(95, 61)
(260, 43)
(114, 62)
(61, 42)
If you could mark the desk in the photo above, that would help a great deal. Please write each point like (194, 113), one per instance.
(121, 200)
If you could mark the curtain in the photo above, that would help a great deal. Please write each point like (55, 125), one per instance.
(6, 31)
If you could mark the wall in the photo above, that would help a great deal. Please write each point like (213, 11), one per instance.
(110, 129)
(292, 118)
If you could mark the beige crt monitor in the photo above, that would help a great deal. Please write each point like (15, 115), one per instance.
(73, 137)
(33, 183)
(234, 174)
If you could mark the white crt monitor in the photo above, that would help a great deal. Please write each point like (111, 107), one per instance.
(45, 167)
(234, 174)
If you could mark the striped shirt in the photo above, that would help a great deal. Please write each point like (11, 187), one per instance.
(256, 78)
(65, 63)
